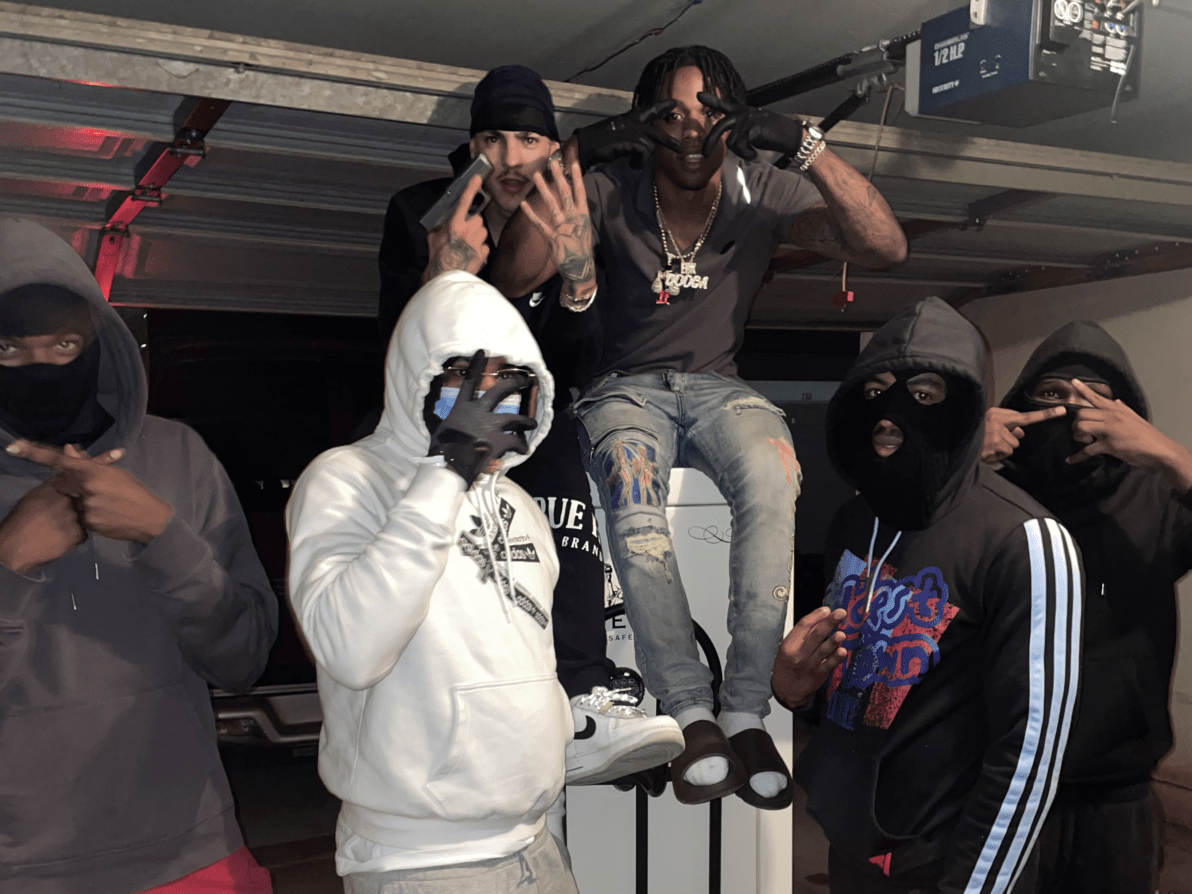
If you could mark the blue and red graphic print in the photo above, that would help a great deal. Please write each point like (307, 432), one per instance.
(891, 647)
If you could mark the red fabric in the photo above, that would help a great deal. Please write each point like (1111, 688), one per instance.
(237, 873)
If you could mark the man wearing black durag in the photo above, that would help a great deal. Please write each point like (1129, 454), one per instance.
(1073, 432)
(946, 653)
(128, 585)
(513, 124)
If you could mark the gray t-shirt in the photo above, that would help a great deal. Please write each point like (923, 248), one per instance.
(700, 330)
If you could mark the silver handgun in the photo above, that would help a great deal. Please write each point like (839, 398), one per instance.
(442, 210)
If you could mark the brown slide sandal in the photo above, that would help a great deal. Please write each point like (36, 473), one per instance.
(704, 738)
(756, 750)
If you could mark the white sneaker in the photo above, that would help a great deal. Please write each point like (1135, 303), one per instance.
(614, 740)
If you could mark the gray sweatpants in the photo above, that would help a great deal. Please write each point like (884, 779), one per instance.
(539, 868)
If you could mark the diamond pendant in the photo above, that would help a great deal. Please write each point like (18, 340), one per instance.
(657, 286)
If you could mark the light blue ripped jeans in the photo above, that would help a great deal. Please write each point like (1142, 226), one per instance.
(633, 430)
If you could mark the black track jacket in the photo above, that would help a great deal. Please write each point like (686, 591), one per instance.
(943, 732)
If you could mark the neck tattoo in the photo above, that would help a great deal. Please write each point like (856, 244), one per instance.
(670, 280)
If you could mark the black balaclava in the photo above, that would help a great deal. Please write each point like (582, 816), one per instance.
(42, 401)
(513, 97)
(903, 489)
(1038, 464)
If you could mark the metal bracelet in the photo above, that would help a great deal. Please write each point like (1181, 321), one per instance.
(576, 304)
(809, 144)
(813, 156)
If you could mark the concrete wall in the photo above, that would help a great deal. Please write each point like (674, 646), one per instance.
(1151, 316)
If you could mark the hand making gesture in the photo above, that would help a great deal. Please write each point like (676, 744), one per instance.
(1004, 430)
(108, 500)
(569, 230)
(808, 655)
(1111, 427)
(42, 527)
(750, 129)
(461, 243)
(630, 135)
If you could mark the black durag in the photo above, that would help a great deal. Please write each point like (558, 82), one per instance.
(45, 402)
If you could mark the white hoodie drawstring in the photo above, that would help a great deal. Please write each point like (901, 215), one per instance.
(492, 552)
(505, 537)
(875, 574)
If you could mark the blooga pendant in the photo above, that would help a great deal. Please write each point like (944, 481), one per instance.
(667, 283)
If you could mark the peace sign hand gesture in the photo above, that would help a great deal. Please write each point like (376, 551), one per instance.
(1111, 427)
(628, 135)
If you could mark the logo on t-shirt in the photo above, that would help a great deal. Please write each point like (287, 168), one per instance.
(891, 647)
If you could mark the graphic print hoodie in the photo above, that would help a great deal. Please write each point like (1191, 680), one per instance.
(110, 780)
(427, 609)
(1134, 531)
(943, 731)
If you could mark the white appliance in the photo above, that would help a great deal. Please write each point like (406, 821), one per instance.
(755, 844)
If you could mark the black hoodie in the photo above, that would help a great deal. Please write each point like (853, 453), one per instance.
(110, 780)
(943, 731)
(1135, 533)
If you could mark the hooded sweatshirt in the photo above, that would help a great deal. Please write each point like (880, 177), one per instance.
(110, 780)
(1135, 533)
(943, 731)
(427, 609)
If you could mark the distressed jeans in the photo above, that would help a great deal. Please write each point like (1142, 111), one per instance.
(633, 431)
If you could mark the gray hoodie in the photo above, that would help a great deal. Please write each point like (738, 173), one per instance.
(110, 780)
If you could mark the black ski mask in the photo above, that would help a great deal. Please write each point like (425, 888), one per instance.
(903, 489)
(42, 401)
(1039, 464)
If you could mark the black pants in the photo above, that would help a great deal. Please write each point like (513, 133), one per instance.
(554, 476)
(1111, 847)
(848, 877)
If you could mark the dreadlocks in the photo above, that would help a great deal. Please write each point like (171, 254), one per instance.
(719, 74)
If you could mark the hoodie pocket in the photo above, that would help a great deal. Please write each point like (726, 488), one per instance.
(1109, 738)
(506, 756)
(104, 777)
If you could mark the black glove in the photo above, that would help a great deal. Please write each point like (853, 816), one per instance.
(752, 129)
(630, 134)
(472, 434)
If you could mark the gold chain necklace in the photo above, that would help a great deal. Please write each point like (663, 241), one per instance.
(668, 282)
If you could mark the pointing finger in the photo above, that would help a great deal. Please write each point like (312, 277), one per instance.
(1040, 415)
(717, 130)
(1100, 401)
(664, 140)
(1094, 449)
(50, 457)
(460, 214)
(712, 101)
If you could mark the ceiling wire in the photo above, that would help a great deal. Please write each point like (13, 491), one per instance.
(653, 32)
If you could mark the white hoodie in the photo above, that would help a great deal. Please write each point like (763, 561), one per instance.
(444, 724)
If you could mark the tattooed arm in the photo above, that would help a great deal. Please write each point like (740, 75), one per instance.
(552, 233)
(462, 243)
(853, 223)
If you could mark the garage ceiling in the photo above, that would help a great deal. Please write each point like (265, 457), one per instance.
(284, 213)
